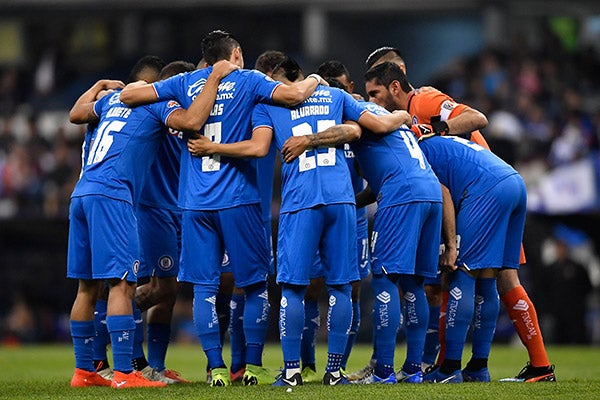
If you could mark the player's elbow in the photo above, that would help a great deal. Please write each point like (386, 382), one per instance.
(479, 120)
(77, 117)
(126, 97)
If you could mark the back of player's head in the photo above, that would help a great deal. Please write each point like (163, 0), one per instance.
(288, 68)
(333, 69)
(201, 64)
(174, 68)
(335, 83)
(218, 45)
(390, 53)
(146, 68)
(268, 60)
(387, 72)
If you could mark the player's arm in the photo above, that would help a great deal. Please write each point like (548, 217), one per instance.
(365, 197)
(297, 92)
(468, 120)
(257, 146)
(383, 124)
(82, 111)
(332, 136)
(137, 93)
(447, 260)
(198, 112)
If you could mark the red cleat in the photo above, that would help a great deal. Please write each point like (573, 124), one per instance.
(134, 379)
(83, 378)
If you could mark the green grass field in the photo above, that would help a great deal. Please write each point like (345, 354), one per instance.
(44, 372)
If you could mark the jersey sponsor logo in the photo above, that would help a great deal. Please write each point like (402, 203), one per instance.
(196, 87)
(165, 263)
(114, 99)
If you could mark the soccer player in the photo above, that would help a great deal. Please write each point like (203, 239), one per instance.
(103, 235)
(220, 200)
(459, 119)
(317, 213)
(159, 225)
(407, 224)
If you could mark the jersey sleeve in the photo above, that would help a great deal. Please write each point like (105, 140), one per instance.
(163, 109)
(261, 117)
(430, 103)
(263, 85)
(170, 88)
(352, 108)
(99, 105)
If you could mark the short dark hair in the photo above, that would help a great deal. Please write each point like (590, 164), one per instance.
(335, 83)
(218, 45)
(145, 63)
(387, 72)
(174, 68)
(269, 60)
(333, 69)
(290, 67)
(380, 52)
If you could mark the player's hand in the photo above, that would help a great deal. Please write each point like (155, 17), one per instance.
(357, 96)
(422, 131)
(293, 147)
(200, 146)
(447, 261)
(223, 68)
(405, 115)
(425, 89)
(108, 84)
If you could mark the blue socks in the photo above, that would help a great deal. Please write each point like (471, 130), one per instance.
(236, 332)
(291, 323)
(416, 318)
(206, 322)
(138, 339)
(353, 332)
(339, 319)
(159, 336)
(459, 313)
(432, 339)
(102, 338)
(82, 333)
(309, 334)
(122, 330)
(386, 320)
(487, 306)
(256, 318)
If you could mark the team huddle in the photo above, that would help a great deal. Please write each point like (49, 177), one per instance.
(176, 186)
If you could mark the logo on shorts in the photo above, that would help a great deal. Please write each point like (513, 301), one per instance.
(136, 267)
(165, 263)
(225, 261)
(384, 297)
(456, 293)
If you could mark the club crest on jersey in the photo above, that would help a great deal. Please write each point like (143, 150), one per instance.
(136, 267)
(172, 104)
(166, 263)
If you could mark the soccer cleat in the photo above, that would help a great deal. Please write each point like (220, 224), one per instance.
(429, 372)
(439, 377)
(83, 378)
(134, 379)
(294, 380)
(209, 376)
(335, 378)
(405, 377)
(105, 372)
(371, 378)
(360, 374)
(309, 375)
(483, 375)
(236, 376)
(175, 376)
(256, 375)
(152, 374)
(220, 377)
(529, 373)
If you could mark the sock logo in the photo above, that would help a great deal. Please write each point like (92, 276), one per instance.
(409, 296)
(212, 300)
(456, 293)
(264, 295)
(521, 305)
(233, 304)
(284, 302)
(478, 299)
(384, 297)
(332, 301)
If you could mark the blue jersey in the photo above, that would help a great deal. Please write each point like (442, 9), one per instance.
(395, 167)
(219, 182)
(266, 172)
(358, 185)
(162, 184)
(122, 148)
(319, 176)
(465, 168)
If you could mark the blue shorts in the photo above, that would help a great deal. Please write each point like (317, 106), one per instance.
(226, 265)
(103, 239)
(206, 235)
(160, 239)
(329, 229)
(491, 226)
(406, 239)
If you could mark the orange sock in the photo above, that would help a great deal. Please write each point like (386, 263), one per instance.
(442, 328)
(522, 312)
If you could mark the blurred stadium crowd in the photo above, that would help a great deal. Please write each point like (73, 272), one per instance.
(543, 107)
